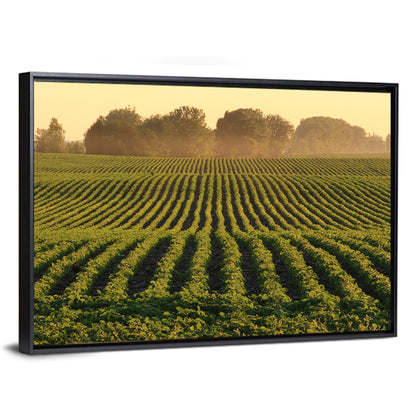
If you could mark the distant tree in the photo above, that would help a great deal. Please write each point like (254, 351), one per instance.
(242, 132)
(281, 132)
(154, 130)
(116, 134)
(75, 147)
(330, 135)
(157, 124)
(374, 143)
(388, 142)
(183, 133)
(127, 114)
(188, 133)
(50, 140)
(358, 137)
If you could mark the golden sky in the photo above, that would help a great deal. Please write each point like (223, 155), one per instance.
(78, 105)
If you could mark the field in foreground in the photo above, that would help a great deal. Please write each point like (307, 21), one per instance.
(161, 248)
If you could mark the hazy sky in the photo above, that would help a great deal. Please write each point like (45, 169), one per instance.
(78, 105)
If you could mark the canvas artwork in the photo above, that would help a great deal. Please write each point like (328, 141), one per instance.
(182, 212)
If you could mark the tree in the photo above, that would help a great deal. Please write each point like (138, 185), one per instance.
(182, 133)
(242, 132)
(116, 134)
(127, 114)
(157, 124)
(52, 139)
(374, 143)
(281, 132)
(388, 143)
(154, 130)
(75, 147)
(320, 135)
(188, 133)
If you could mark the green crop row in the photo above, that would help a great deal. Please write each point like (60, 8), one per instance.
(359, 265)
(71, 164)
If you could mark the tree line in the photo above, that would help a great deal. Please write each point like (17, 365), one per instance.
(183, 132)
(52, 140)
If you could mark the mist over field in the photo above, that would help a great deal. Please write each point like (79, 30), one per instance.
(183, 132)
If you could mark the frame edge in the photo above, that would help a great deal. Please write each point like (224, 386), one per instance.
(26, 153)
(25, 218)
(394, 199)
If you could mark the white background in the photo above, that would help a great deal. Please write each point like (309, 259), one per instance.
(316, 40)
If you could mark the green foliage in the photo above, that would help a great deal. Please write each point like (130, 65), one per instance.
(320, 135)
(242, 132)
(116, 134)
(127, 114)
(76, 147)
(281, 132)
(247, 132)
(182, 132)
(50, 140)
(315, 231)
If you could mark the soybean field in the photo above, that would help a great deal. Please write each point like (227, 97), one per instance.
(144, 249)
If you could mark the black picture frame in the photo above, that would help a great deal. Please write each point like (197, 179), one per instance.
(26, 198)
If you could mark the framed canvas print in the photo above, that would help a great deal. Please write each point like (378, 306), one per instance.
(176, 211)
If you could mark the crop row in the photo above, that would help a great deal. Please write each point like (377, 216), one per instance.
(179, 201)
(270, 265)
(75, 164)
